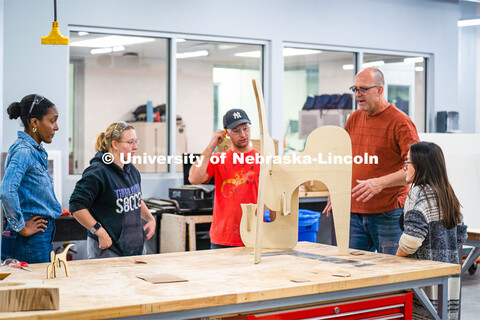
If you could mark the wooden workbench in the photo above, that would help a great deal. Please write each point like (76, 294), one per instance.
(225, 281)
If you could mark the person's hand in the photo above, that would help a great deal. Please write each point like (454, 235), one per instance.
(149, 227)
(401, 253)
(366, 189)
(217, 137)
(328, 207)
(33, 225)
(104, 240)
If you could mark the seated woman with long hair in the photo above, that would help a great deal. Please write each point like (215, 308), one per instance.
(433, 226)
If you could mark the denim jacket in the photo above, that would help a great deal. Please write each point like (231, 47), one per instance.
(27, 187)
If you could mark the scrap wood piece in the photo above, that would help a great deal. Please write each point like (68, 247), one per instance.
(342, 274)
(138, 261)
(299, 280)
(28, 296)
(357, 252)
(160, 278)
(3, 275)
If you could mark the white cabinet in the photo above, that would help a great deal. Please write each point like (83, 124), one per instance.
(153, 143)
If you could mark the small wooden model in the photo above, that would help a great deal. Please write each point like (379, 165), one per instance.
(55, 260)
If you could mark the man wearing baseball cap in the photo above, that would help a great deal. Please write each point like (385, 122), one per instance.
(235, 183)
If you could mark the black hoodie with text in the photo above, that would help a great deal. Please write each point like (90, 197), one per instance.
(113, 197)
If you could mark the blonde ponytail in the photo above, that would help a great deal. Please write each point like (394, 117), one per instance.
(104, 140)
(101, 143)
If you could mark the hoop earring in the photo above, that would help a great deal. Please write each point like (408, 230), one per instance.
(34, 129)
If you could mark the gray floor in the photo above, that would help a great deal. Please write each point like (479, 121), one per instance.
(471, 296)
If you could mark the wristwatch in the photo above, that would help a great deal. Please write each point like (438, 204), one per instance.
(95, 227)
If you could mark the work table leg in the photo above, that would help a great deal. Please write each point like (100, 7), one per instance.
(173, 233)
(192, 237)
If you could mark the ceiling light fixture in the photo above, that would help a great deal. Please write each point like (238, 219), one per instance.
(413, 60)
(55, 37)
(110, 41)
(347, 67)
(249, 54)
(107, 50)
(289, 52)
(223, 46)
(100, 50)
(468, 22)
(82, 33)
(118, 48)
(419, 69)
(180, 40)
(373, 64)
(192, 54)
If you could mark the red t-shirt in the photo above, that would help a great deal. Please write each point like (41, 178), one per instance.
(388, 135)
(235, 183)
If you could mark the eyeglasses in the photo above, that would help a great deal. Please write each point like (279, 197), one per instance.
(361, 90)
(238, 131)
(405, 167)
(36, 100)
(119, 127)
(132, 142)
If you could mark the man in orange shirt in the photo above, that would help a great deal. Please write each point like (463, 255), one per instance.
(235, 182)
(378, 190)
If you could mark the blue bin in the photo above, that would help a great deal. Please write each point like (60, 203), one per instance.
(308, 222)
(266, 215)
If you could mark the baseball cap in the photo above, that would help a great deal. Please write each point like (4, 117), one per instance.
(234, 117)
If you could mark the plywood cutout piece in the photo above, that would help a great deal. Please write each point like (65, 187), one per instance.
(278, 186)
(27, 296)
(160, 278)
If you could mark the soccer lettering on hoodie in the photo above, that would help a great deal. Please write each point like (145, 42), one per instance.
(128, 199)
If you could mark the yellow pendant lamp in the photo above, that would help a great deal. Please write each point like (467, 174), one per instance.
(55, 36)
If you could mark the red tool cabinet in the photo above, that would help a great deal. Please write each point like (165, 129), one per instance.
(395, 306)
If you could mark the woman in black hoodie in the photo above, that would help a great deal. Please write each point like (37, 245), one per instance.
(108, 199)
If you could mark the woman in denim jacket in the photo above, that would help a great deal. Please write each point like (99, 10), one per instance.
(26, 191)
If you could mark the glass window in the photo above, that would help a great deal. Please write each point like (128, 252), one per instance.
(112, 77)
(213, 77)
(315, 82)
(404, 83)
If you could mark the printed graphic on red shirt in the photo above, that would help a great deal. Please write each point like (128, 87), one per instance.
(230, 186)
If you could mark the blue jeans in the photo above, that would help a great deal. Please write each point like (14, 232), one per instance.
(32, 249)
(379, 232)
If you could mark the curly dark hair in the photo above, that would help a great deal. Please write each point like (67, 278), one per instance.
(22, 109)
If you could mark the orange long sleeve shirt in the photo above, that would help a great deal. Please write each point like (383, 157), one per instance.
(387, 135)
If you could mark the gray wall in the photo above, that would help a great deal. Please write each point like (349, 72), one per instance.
(468, 58)
(408, 25)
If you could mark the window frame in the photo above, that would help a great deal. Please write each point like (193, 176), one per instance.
(171, 81)
(359, 53)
